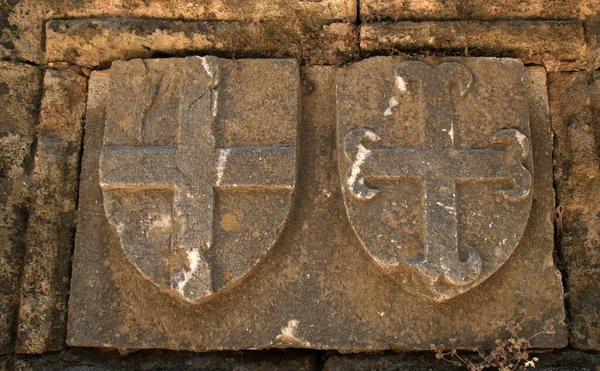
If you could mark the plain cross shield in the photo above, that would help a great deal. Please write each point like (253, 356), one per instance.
(165, 179)
(449, 189)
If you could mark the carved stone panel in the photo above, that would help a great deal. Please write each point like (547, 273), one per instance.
(435, 163)
(194, 206)
(412, 184)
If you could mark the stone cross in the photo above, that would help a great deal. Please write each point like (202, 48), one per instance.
(193, 169)
(440, 166)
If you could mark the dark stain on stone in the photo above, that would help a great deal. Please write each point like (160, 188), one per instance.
(4, 89)
(8, 45)
(54, 26)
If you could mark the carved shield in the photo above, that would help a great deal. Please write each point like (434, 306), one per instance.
(435, 163)
(198, 166)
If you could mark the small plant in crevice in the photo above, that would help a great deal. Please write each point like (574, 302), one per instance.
(510, 354)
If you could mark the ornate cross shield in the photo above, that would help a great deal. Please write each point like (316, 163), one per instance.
(435, 163)
(198, 166)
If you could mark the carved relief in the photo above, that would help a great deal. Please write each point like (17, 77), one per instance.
(171, 190)
(446, 188)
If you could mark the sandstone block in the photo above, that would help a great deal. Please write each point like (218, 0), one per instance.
(44, 286)
(23, 21)
(374, 10)
(538, 42)
(592, 35)
(188, 237)
(19, 94)
(93, 43)
(575, 107)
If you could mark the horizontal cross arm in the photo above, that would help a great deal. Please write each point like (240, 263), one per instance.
(135, 166)
(387, 163)
(493, 166)
(383, 163)
(256, 167)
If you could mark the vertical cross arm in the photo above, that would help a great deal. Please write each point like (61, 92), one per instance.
(194, 199)
(442, 255)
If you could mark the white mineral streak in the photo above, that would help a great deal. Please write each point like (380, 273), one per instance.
(361, 155)
(288, 334)
(194, 261)
(223, 155)
(215, 97)
(290, 329)
(393, 102)
(451, 134)
(206, 66)
(521, 138)
(401, 84)
(450, 209)
(163, 221)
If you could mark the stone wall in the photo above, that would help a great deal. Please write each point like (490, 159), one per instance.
(53, 96)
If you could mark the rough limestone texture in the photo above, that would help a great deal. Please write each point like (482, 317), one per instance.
(374, 10)
(22, 31)
(540, 42)
(575, 104)
(19, 94)
(309, 282)
(49, 240)
(93, 43)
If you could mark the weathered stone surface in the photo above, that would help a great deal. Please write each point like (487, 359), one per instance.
(19, 93)
(164, 360)
(373, 10)
(592, 36)
(575, 107)
(44, 286)
(196, 171)
(5, 363)
(317, 287)
(436, 167)
(23, 31)
(539, 42)
(566, 360)
(397, 362)
(169, 153)
(92, 43)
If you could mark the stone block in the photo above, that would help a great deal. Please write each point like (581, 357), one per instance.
(592, 36)
(19, 94)
(93, 43)
(23, 32)
(396, 362)
(198, 246)
(575, 108)
(375, 10)
(564, 360)
(540, 42)
(168, 360)
(49, 239)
